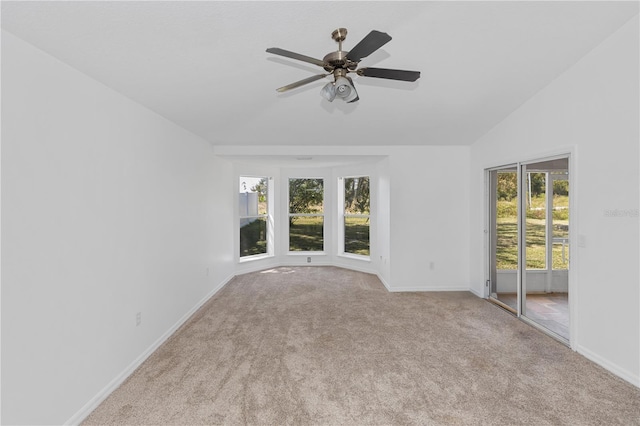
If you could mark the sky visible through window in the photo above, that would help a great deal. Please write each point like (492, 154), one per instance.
(246, 183)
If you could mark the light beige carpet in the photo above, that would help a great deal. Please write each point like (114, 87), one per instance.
(328, 346)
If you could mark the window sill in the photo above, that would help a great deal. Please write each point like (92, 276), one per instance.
(359, 257)
(254, 257)
(306, 253)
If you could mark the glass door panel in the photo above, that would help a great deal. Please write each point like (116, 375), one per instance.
(503, 236)
(544, 281)
(535, 210)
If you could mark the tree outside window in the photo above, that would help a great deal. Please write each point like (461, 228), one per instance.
(306, 214)
(356, 215)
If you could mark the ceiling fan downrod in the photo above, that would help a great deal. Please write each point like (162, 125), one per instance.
(339, 35)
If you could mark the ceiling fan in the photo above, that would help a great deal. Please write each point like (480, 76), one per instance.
(340, 63)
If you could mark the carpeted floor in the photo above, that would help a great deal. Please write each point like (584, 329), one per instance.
(328, 346)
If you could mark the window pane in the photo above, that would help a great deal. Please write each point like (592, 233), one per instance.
(507, 220)
(253, 236)
(306, 195)
(536, 223)
(306, 233)
(356, 195)
(253, 196)
(356, 235)
(252, 201)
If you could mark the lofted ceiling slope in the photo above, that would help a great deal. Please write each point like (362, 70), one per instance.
(203, 64)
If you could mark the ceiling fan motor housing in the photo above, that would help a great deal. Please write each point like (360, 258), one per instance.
(338, 59)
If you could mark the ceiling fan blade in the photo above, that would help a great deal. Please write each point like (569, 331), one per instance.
(372, 42)
(301, 82)
(389, 74)
(293, 55)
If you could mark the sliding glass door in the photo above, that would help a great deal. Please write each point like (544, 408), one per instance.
(528, 242)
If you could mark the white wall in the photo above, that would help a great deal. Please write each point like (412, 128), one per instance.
(591, 111)
(429, 218)
(107, 210)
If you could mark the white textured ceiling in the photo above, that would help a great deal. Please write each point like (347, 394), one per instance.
(203, 64)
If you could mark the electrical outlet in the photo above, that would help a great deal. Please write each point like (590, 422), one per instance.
(308, 259)
(582, 241)
(138, 318)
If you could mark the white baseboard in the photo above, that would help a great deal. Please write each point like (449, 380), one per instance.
(608, 365)
(384, 283)
(477, 293)
(256, 266)
(426, 289)
(88, 408)
(356, 268)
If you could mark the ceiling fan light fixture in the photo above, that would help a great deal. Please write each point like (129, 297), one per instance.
(346, 90)
(343, 88)
(329, 92)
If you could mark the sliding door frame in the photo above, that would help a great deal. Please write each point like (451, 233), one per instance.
(570, 154)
